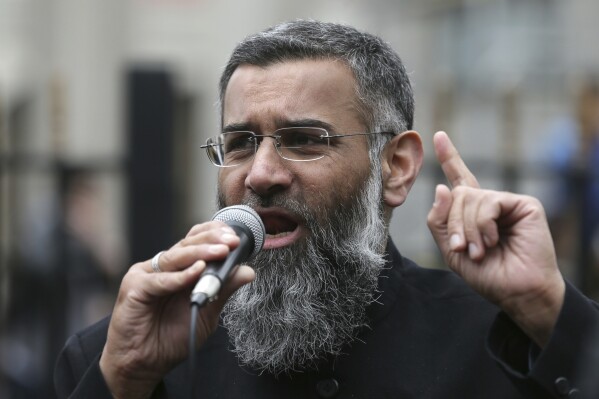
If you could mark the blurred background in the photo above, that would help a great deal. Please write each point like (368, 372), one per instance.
(104, 104)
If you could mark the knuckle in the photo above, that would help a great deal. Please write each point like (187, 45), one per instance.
(483, 224)
(128, 284)
(185, 256)
(535, 202)
(130, 295)
(166, 258)
(459, 191)
(536, 205)
(162, 279)
(471, 230)
(195, 229)
(455, 218)
(198, 251)
(136, 268)
(202, 232)
(487, 196)
(433, 219)
(430, 219)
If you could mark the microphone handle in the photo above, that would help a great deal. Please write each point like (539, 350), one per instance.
(216, 272)
(222, 269)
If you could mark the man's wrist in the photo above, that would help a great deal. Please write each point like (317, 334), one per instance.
(120, 383)
(537, 313)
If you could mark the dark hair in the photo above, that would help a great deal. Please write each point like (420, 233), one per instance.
(383, 89)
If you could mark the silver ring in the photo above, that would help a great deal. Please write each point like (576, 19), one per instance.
(155, 262)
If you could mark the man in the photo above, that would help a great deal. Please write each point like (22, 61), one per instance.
(316, 123)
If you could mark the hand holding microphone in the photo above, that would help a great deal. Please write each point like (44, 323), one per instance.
(249, 227)
(149, 327)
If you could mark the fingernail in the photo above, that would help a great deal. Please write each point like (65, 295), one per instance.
(196, 266)
(454, 241)
(228, 230)
(437, 190)
(472, 250)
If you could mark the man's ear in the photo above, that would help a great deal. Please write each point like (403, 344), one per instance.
(401, 161)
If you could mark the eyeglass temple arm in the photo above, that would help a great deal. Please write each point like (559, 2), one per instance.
(210, 145)
(352, 134)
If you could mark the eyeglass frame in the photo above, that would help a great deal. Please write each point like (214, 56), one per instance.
(277, 143)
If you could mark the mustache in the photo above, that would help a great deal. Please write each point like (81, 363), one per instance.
(278, 200)
(295, 207)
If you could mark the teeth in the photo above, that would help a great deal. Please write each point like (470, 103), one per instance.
(278, 235)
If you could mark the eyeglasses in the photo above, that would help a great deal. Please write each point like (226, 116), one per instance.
(299, 144)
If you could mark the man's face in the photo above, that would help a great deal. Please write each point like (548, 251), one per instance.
(304, 92)
(324, 218)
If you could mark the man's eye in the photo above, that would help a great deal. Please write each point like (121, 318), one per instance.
(302, 139)
(239, 143)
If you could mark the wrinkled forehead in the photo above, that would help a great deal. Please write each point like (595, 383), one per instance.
(306, 88)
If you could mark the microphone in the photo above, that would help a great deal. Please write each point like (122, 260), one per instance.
(249, 227)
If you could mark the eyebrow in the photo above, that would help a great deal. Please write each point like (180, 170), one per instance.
(280, 123)
(308, 123)
(235, 127)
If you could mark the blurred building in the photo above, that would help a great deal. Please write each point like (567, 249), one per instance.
(104, 104)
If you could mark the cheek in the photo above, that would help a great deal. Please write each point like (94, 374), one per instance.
(231, 185)
(335, 182)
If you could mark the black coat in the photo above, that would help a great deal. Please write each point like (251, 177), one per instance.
(431, 336)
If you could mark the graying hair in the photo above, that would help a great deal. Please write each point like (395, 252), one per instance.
(383, 89)
(309, 299)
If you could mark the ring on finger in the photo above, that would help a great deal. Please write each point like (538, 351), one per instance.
(156, 262)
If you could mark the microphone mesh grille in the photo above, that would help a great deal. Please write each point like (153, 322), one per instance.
(247, 216)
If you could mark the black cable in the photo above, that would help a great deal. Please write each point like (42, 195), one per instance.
(198, 301)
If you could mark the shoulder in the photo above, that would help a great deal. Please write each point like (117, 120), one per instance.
(442, 296)
(410, 294)
(434, 284)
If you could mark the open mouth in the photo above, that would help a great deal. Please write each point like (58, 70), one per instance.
(281, 228)
(278, 226)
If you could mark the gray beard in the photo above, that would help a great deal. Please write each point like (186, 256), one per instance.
(309, 299)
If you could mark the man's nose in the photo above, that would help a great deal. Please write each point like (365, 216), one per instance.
(268, 172)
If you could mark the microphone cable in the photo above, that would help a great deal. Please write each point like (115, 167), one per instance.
(249, 227)
(199, 301)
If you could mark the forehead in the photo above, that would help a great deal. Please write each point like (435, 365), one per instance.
(320, 89)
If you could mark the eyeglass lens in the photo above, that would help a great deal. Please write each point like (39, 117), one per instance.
(296, 144)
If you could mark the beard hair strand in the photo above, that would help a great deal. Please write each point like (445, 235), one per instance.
(309, 299)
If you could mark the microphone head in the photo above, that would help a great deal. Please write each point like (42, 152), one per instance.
(248, 217)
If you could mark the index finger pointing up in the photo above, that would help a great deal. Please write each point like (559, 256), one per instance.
(454, 168)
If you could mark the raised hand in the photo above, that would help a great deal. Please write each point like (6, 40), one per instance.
(149, 328)
(499, 243)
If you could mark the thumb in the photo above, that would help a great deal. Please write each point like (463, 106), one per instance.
(438, 215)
(241, 276)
